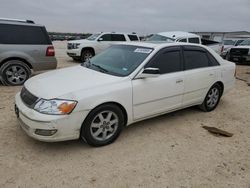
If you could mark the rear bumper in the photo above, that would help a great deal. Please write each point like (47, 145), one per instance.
(49, 64)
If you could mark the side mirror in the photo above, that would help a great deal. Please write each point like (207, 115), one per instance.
(100, 39)
(149, 72)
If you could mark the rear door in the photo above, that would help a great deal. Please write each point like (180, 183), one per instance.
(152, 96)
(201, 71)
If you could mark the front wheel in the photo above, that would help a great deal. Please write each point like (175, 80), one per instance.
(86, 55)
(212, 98)
(103, 125)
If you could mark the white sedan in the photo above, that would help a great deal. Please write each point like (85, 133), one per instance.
(126, 83)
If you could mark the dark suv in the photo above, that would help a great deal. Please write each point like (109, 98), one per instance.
(24, 46)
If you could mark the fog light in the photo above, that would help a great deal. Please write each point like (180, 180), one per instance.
(44, 132)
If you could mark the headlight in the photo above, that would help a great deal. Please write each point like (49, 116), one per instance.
(55, 106)
(76, 45)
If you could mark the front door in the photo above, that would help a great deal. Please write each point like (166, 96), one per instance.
(152, 96)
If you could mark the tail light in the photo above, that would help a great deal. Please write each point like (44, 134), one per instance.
(50, 51)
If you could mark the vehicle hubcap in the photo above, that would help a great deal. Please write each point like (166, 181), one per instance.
(16, 74)
(213, 97)
(87, 56)
(104, 125)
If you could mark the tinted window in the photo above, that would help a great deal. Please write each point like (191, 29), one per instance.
(133, 37)
(116, 37)
(167, 62)
(106, 37)
(195, 59)
(194, 40)
(22, 34)
(212, 60)
(183, 40)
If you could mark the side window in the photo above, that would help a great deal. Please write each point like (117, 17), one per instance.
(167, 62)
(106, 37)
(194, 40)
(21, 34)
(133, 37)
(118, 37)
(183, 40)
(195, 59)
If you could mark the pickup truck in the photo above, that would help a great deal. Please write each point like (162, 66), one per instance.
(180, 36)
(240, 54)
(85, 49)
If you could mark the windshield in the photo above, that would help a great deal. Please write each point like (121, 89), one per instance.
(119, 60)
(157, 37)
(245, 43)
(93, 37)
(229, 42)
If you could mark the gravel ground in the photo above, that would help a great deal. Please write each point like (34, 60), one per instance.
(168, 151)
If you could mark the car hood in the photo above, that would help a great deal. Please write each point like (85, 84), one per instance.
(62, 82)
(81, 41)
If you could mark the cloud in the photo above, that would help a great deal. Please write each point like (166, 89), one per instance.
(142, 16)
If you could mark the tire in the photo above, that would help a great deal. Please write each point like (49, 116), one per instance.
(212, 98)
(103, 125)
(14, 73)
(86, 55)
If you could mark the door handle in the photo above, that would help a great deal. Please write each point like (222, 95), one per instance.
(211, 74)
(179, 81)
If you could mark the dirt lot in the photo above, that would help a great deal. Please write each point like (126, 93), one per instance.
(168, 151)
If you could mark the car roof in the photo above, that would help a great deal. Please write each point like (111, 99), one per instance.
(178, 34)
(159, 45)
(123, 33)
(19, 22)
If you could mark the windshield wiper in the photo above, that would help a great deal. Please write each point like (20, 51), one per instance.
(88, 64)
(99, 67)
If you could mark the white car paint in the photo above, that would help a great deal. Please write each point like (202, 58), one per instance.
(97, 45)
(141, 98)
(180, 36)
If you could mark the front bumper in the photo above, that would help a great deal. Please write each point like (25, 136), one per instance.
(67, 126)
(74, 52)
(240, 58)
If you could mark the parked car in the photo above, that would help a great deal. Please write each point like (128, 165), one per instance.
(227, 45)
(126, 83)
(24, 46)
(180, 36)
(240, 54)
(96, 43)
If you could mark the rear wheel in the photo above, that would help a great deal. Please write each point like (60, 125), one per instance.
(212, 98)
(103, 125)
(14, 72)
(86, 55)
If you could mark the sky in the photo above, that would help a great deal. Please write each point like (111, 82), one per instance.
(141, 16)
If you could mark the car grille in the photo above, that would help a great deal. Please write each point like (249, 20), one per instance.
(28, 98)
(239, 51)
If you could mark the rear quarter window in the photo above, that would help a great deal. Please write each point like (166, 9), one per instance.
(22, 34)
(133, 37)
